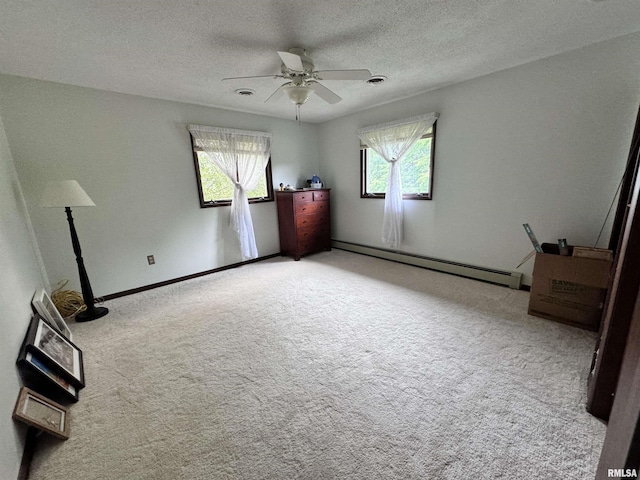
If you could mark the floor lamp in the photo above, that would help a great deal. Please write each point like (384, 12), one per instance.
(67, 194)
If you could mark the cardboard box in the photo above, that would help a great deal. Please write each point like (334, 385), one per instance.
(570, 290)
(596, 253)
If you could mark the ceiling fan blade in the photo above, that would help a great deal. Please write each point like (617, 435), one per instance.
(363, 74)
(292, 61)
(277, 94)
(324, 93)
(257, 76)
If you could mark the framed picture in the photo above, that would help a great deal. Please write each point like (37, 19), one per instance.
(36, 372)
(47, 309)
(55, 350)
(38, 411)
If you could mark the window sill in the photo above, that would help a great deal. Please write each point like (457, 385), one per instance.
(226, 203)
(419, 196)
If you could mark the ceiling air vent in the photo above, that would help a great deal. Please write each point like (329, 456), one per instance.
(376, 79)
(245, 92)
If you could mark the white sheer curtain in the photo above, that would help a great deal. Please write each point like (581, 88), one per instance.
(391, 141)
(242, 156)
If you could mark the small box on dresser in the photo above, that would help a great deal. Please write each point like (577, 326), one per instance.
(304, 220)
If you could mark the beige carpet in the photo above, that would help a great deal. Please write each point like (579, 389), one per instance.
(339, 366)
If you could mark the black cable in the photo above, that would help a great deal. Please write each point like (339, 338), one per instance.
(609, 212)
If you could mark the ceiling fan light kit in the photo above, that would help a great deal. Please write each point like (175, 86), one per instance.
(298, 94)
(303, 79)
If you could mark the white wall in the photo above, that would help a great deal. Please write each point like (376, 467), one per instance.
(21, 275)
(133, 157)
(543, 143)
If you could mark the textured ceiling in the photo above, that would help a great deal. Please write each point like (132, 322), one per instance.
(180, 50)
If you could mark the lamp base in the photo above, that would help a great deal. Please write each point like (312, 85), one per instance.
(88, 315)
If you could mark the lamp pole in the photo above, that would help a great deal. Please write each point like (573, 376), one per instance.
(92, 312)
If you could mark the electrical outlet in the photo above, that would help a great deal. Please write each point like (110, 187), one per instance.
(151, 260)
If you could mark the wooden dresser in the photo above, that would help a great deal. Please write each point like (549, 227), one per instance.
(304, 220)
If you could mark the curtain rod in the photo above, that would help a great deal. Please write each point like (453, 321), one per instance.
(233, 131)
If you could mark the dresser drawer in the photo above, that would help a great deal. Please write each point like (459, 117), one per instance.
(303, 197)
(312, 208)
(314, 231)
(320, 196)
(314, 221)
(314, 240)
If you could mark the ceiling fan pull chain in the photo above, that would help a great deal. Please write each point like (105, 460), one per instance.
(298, 113)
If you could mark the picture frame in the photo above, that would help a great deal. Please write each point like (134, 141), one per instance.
(36, 372)
(55, 350)
(47, 309)
(38, 411)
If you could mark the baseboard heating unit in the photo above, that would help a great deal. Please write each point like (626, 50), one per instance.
(491, 275)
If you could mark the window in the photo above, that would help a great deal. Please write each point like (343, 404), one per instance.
(416, 170)
(216, 189)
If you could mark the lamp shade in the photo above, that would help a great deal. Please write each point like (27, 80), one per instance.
(65, 193)
(298, 94)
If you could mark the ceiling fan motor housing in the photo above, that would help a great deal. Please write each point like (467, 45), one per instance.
(307, 65)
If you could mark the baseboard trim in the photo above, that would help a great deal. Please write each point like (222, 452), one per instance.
(164, 283)
(490, 275)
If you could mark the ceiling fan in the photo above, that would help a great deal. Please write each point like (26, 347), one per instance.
(303, 78)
